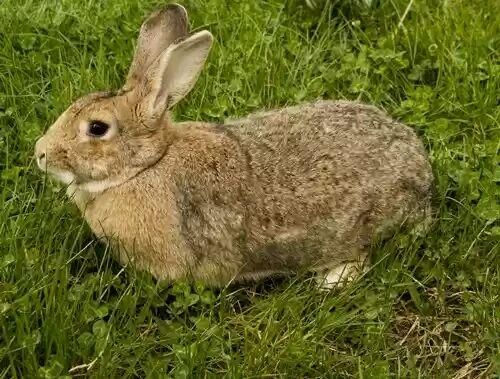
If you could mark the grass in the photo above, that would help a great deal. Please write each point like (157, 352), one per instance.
(429, 307)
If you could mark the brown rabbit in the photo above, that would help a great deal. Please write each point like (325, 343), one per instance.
(309, 186)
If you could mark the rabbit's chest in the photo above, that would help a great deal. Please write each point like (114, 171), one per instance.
(140, 229)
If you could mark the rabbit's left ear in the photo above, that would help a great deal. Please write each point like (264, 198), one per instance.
(175, 72)
(157, 33)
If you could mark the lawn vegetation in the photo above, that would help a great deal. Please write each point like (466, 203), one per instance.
(428, 308)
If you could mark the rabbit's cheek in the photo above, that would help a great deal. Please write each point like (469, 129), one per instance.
(99, 171)
(88, 160)
(86, 170)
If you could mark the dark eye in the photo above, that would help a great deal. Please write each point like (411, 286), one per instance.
(97, 128)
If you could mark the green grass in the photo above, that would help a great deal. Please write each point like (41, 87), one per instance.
(429, 307)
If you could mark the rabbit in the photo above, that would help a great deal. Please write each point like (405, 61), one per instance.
(307, 187)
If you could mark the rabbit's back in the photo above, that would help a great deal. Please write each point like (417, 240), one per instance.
(329, 171)
(330, 146)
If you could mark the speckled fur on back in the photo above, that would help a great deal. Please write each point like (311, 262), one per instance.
(308, 186)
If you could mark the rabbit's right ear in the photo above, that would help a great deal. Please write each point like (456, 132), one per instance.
(157, 33)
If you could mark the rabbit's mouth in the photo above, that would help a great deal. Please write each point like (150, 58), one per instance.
(63, 176)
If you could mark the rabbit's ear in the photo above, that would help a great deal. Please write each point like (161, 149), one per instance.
(175, 72)
(157, 33)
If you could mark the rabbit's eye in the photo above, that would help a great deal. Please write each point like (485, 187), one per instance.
(97, 128)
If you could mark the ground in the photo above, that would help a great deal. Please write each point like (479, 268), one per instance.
(428, 308)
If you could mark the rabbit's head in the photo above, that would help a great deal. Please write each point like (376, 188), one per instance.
(105, 138)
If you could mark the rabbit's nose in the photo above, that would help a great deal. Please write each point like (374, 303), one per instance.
(41, 155)
(41, 161)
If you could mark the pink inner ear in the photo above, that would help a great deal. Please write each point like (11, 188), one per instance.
(174, 73)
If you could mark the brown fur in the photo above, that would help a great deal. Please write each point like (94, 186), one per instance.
(308, 186)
